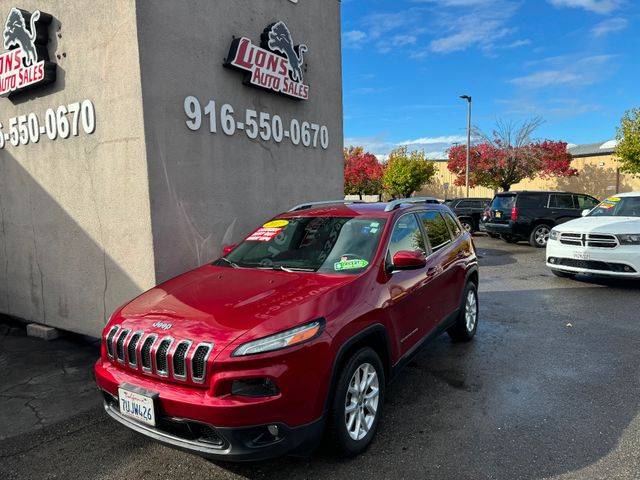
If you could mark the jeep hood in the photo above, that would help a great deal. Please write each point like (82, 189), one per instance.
(220, 304)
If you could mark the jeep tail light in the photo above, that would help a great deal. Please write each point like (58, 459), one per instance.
(514, 214)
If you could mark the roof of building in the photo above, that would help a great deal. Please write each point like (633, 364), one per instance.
(593, 149)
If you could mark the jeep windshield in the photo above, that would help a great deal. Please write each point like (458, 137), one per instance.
(617, 207)
(334, 245)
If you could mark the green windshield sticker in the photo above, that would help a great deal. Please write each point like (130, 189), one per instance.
(345, 264)
(374, 224)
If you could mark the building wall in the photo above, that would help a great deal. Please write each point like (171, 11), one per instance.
(598, 176)
(211, 189)
(75, 229)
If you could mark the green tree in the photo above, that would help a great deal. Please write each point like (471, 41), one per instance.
(628, 136)
(406, 172)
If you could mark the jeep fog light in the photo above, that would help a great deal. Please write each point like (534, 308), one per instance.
(254, 387)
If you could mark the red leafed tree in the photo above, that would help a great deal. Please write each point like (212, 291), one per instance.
(508, 156)
(362, 172)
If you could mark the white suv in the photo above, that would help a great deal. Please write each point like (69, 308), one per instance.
(605, 241)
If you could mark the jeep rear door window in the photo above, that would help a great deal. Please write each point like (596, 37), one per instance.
(436, 228)
(453, 225)
(314, 244)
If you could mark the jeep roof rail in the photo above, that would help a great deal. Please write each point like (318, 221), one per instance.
(306, 206)
(401, 201)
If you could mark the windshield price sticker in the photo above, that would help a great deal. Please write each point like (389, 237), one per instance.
(263, 126)
(61, 122)
(264, 234)
(345, 264)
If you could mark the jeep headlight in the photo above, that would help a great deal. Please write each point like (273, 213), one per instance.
(629, 239)
(554, 235)
(288, 338)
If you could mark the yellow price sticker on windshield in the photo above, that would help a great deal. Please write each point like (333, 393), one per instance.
(276, 224)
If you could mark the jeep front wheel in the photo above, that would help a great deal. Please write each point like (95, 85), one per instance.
(357, 402)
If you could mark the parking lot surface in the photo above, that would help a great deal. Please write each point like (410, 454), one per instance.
(549, 389)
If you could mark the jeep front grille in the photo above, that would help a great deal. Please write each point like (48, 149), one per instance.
(199, 362)
(120, 345)
(109, 341)
(162, 366)
(177, 359)
(145, 352)
(180, 360)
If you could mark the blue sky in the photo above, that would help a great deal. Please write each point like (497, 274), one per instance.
(576, 63)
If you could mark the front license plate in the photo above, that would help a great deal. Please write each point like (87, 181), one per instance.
(137, 406)
(581, 256)
(498, 214)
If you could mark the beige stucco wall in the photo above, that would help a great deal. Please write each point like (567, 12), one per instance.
(598, 176)
(75, 230)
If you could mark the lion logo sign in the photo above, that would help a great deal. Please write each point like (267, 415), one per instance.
(280, 40)
(16, 34)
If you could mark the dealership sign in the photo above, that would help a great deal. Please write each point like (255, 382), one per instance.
(275, 65)
(25, 63)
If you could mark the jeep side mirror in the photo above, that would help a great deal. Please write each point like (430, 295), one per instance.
(408, 260)
(227, 249)
(585, 212)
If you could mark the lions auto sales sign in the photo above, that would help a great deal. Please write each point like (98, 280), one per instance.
(25, 63)
(276, 64)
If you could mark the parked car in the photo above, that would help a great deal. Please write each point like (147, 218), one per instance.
(606, 241)
(297, 329)
(469, 211)
(530, 215)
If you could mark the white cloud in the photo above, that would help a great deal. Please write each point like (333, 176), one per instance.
(400, 40)
(611, 25)
(354, 38)
(450, 139)
(380, 145)
(564, 72)
(481, 25)
(596, 6)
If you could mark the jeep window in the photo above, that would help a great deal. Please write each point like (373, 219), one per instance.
(436, 228)
(561, 201)
(406, 235)
(454, 227)
(314, 244)
(618, 207)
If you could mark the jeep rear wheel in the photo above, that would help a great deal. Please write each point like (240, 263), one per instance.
(357, 402)
(467, 322)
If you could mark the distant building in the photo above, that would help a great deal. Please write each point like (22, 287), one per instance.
(598, 168)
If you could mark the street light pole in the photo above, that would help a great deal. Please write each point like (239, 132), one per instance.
(468, 99)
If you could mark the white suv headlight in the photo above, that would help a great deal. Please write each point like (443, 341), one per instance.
(554, 235)
(629, 239)
(281, 340)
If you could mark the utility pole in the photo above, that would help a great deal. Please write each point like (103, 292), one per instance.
(469, 101)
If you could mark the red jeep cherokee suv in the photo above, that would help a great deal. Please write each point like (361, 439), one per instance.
(299, 327)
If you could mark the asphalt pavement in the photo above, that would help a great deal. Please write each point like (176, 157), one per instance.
(549, 389)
